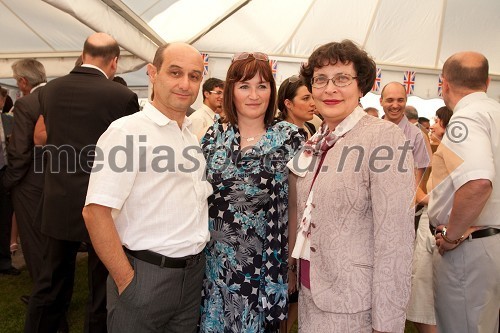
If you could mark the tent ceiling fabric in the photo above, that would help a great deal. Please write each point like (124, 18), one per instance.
(418, 34)
(40, 30)
(399, 34)
(109, 21)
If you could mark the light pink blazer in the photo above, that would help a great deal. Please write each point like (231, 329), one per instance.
(362, 239)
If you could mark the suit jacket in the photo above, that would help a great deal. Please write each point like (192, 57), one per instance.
(362, 225)
(77, 109)
(7, 122)
(23, 157)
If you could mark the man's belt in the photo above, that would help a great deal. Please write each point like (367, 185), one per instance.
(161, 260)
(475, 234)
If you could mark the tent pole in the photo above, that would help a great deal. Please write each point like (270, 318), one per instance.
(216, 23)
(440, 40)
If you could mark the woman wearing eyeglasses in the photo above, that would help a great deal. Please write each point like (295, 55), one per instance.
(354, 204)
(245, 285)
(296, 104)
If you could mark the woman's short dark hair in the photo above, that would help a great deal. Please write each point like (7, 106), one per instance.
(444, 114)
(243, 70)
(288, 90)
(344, 52)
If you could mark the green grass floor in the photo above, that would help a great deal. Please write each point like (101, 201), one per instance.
(12, 310)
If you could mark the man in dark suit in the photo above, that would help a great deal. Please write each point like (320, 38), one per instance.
(77, 109)
(20, 177)
(6, 267)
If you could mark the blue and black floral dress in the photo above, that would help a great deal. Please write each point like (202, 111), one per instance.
(245, 285)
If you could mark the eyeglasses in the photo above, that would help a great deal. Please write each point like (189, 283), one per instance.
(219, 92)
(245, 55)
(339, 80)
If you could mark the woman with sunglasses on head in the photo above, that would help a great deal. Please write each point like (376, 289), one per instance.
(354, 192)
(245, 285)
(296, 104)
(421, 307)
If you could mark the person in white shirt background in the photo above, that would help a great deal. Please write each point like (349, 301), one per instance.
(204, 117)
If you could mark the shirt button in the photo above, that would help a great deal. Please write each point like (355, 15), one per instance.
(313, 249)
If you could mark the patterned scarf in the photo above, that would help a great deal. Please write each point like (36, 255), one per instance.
(316, 146)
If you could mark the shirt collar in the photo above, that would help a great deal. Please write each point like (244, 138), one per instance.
(38, 86)
(208, 111)
(466, 100)
(350, 121)
(403, 122)
(95, 67)
(159, 118)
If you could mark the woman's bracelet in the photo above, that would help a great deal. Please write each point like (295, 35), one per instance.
(292, 268)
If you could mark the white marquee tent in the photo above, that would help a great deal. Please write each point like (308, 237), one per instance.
(401, 35)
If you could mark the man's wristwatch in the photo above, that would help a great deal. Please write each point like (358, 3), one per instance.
(447, 240)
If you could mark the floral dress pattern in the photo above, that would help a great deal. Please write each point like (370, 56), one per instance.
(245, 284)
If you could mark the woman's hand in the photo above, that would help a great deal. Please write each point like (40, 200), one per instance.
(292, 282)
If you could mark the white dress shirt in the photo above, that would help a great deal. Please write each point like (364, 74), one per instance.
(151, 172)
(469, 151)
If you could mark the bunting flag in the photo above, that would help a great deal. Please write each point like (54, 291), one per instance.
(440, 85)
(409, 82)
(378, 78)
(204, 56)
(274, 66)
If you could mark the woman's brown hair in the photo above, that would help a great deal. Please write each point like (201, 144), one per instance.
(243, 70)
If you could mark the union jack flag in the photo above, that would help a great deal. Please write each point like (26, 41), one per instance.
(274, 66)
(204, 56)
(440, 85)
(409, 82)
(378, 78)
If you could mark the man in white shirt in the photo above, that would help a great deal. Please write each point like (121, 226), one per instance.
(146, 208)
(465, 202)
(204, 117)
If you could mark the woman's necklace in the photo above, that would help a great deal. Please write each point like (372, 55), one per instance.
(251, 138)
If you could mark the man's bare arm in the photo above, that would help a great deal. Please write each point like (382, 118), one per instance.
(107, 244)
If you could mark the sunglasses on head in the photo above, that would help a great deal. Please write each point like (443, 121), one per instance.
(246, 55)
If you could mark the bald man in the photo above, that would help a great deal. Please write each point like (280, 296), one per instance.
(393, 100)
(77, 109)
(464, 208)
(149, 225)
